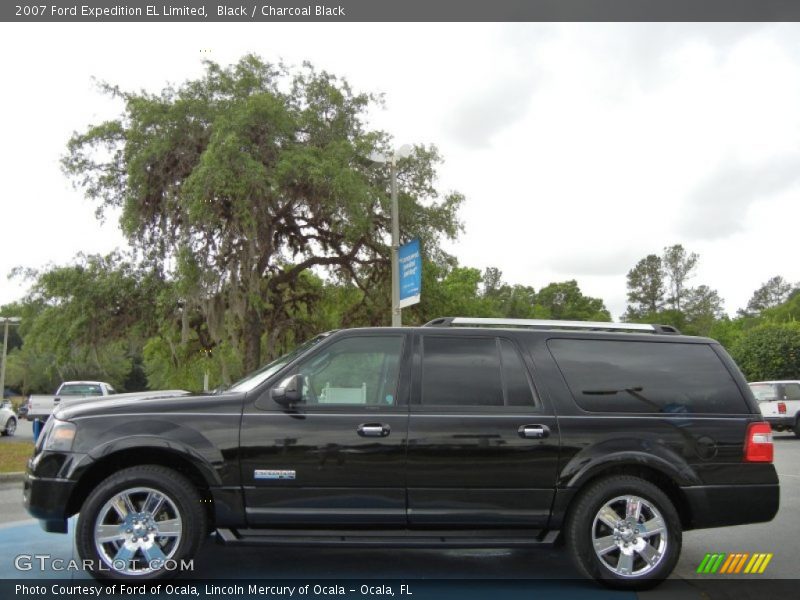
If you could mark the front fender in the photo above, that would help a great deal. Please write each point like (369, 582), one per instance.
(199, 460)
(98, 439)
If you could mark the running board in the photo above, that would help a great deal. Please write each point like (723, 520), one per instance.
(400, 538)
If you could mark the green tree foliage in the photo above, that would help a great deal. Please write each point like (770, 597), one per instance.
(462, 291)
(449, 291)
(678, 266)
(769, 352)
(565, 301)
(518, 302)
(788, 312)
(772, 293)
(88, 320)
(646, 288)
(702, 307)
(727, 331)
(238, 183)
(657, 293)
(509, 301)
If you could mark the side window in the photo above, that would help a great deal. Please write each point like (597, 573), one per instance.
(791, 391)
(354, 371)
(764, 392)
(463, 371)
(646, 377)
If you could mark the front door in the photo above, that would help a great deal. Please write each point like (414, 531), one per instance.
(338, 456)
(483, 450)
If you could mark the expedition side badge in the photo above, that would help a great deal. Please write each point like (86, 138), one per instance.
(273, 474)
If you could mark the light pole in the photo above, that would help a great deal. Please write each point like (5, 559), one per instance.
(380, 157)
(6, 321)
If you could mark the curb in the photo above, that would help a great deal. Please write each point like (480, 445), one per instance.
(11, 477)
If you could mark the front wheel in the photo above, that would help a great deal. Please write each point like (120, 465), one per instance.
(624, 532)
(140, 524)
(11, 427)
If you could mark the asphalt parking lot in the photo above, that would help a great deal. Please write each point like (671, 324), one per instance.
(781, 537)
(24, 432)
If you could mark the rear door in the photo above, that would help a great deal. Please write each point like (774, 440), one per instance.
(483, 450)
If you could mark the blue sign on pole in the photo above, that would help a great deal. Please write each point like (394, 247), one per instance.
(410, 259)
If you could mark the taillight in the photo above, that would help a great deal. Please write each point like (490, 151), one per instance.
(782, 408)
(758, 443)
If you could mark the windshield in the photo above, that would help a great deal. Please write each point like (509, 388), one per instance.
(256, 377)
(764, 391)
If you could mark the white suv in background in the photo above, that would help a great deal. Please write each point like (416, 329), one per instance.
(779, 402)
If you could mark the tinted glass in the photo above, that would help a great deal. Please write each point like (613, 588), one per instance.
(460, 371)
(642, 377)
(81, 389)
(764, 392)
(261, 375)
(517, 386)
(791, 391)
(360, 371)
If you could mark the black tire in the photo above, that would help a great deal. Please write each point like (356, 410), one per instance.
(182, 509)
(10, 427)
(584, 525)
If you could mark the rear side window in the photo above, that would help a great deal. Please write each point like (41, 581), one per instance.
(791, 391)
(642, 377)
(462, 371)
(764, 392)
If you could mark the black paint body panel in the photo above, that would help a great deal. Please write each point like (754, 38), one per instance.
(440, 467)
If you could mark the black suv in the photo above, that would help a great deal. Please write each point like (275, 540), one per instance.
(461, 433)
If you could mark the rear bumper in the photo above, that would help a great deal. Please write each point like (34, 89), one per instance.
(721, 505)
(780, 422)
(40, 416)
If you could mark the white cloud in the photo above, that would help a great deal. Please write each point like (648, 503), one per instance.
(580, 147)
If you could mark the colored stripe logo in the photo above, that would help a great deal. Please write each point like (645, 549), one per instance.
(734, 563)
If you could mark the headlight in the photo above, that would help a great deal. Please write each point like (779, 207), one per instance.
(60, 436)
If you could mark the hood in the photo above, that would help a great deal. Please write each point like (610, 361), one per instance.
(102, 404)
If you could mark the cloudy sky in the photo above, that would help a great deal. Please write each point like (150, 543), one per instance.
(580, 148)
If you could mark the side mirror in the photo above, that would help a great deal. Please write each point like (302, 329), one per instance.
(289, 391)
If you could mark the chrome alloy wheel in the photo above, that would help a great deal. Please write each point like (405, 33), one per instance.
(137, 531)
(11, 426)
(629, 536)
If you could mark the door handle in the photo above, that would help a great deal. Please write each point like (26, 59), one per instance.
(533, 431)
(374, 430)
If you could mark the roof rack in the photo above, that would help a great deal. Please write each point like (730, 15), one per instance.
(550, 324)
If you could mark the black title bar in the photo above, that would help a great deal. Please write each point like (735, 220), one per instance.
(400, 10)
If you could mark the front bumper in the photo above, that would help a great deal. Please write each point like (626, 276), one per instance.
(46, 499)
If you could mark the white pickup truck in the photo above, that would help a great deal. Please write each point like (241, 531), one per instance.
(779, 402)
(40, 407)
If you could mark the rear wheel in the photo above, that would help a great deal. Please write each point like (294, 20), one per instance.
(624, 532)
(140, 523)
(796, 427)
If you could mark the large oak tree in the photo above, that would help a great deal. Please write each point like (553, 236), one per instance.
(237, 183)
